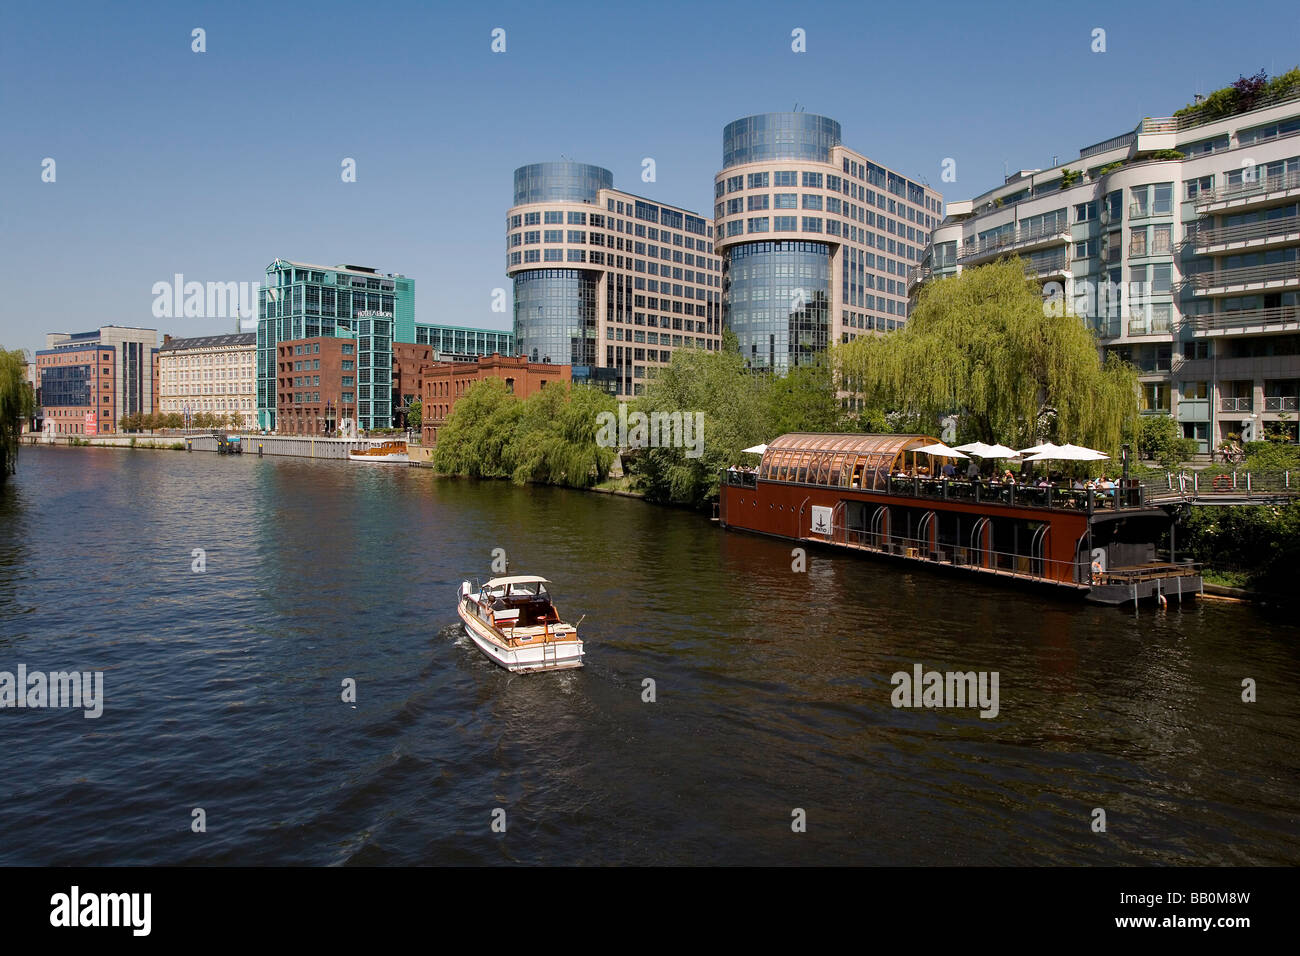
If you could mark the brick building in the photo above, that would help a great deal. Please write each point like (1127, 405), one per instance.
(409, 362)
(315, 385)
(445, 382)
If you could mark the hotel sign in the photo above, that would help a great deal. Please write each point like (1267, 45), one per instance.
(372, 314)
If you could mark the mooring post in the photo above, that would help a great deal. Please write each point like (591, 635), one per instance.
(259, 449)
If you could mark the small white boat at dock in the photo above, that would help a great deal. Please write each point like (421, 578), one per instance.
(384, 453)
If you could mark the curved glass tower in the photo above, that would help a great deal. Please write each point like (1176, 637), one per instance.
(607, 281)
(555, 309)
(816, 240)
(779, 136)
(560, 182)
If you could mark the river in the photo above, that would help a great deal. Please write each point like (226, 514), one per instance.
(222, 688)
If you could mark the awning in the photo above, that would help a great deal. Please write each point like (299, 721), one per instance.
(755, 450)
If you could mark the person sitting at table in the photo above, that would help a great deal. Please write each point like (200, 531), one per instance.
(1008, 478)
(972, 470)
(949, 470)
(1078, 485)
(1106, 487)
(1044, 482)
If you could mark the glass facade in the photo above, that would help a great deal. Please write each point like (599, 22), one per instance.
(555, 316)
(65, 385)
(449, 340)
(768, 136)
(776, 296)
(560, 182)
(300, 301)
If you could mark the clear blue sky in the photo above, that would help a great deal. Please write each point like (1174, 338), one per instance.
(213, 164)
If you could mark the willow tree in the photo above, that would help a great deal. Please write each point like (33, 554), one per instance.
(16, 405)
(982, 346)
(557, 441)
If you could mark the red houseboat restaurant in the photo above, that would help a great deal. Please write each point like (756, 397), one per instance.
(849, 491)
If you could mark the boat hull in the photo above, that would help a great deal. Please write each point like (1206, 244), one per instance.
(380, 459)
(549, 656)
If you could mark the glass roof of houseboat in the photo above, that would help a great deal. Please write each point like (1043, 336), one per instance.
(846, 460)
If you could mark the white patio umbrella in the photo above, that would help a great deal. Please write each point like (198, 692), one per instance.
(1044, 449)
(1070, 453)
(981, 450)
(756, 449)
(939, 450)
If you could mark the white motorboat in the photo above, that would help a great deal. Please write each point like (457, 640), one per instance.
(385, 453)
(514, 623)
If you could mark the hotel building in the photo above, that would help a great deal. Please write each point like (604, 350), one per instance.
(213, 374)
(606, 281)
(373, 310)
(816, 240)
(304, 301)
(1178, 243)
(90, 380)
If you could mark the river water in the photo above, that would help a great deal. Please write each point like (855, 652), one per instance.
(222, 689)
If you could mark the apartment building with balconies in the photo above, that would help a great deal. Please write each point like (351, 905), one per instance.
(1179, 243)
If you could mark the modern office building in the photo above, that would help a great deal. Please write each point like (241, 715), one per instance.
(305, 301)
(816, 240)
(90, 380)
(452, 343)
(445, 382)
(375, 311)
(606, 281)
(213, 374)
(1178, 243)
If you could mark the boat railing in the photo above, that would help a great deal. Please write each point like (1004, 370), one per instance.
(1055, 497)
(1015, 564)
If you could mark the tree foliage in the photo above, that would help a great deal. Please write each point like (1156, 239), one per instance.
(415, 414)
(736, 406)
(1159, 439)
(549, 437)
(16, 406)
(982, 346)
(1261, 541)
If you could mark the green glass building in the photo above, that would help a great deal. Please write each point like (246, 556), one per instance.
(301, 301)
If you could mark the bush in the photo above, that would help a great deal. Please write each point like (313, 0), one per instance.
(1159, 439)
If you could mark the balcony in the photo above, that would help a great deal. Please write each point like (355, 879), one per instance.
(1141, 326)
(1251, 235)
(975, 251)
(1281, 403)
(1251, 278)
(1236, 404)
(1258, 192)
(1281, 319)
(1044, 266)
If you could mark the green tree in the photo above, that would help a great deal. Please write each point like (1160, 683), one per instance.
(477, 436)
(736, 407)
(16, 406)
(803, 400)
(556, 441)
(1160, 439)
(986, 346)
(415, 414)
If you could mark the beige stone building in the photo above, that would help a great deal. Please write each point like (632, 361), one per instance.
(212, 373)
